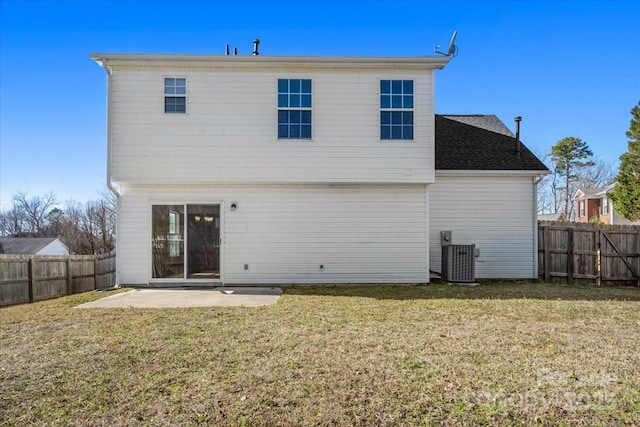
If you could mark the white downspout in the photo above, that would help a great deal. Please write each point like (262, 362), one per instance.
(536, 180)
(109, 72)
(110, 184)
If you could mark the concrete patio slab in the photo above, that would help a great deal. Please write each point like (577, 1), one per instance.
(189, 297)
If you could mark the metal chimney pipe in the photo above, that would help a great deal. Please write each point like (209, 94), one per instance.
(235, 50)
(226, 50)
(518, 119)
(256, 42)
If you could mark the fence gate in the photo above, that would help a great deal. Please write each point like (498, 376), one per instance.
(589, 253)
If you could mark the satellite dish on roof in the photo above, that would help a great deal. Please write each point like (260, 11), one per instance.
(453, 49)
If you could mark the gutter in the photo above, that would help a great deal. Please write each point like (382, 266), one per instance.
(538, 174)
(418, 63)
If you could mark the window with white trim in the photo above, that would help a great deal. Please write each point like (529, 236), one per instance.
(581, 208)
(396, 109)
(605, 206)
(175, 95)
(294, 108)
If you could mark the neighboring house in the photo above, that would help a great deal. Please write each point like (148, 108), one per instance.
(32, 246)
(274, 169)
(558, 217)
(594, 204)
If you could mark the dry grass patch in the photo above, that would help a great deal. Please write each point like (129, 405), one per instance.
(499, 354)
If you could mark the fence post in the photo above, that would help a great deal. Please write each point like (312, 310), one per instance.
(638, 240)
(599, 259)
(96, 276)
(31, 279)
(69, 276)
(547, 254)
(570, 256)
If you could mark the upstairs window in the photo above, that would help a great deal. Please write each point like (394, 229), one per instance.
(581, 210)
(396, 109)
(175, 95)
(294, 109)
(605, 206)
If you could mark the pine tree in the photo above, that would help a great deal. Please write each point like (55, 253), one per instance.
(626, 194)
(567, 157)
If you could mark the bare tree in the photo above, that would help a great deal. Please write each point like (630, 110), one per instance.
(86, 228)
(90, 227)
(104, 210)
(599, 174)
(12, 223)
(69, 228)
(32, 213)
(550, 191)
(546, 197)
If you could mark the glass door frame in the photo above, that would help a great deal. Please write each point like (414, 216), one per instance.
(184, 279)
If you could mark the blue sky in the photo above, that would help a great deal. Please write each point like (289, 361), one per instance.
(569, 68)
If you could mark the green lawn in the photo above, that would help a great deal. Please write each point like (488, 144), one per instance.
(496, 354)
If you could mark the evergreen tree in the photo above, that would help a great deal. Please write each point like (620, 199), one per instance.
(626, 193)
(568, 156)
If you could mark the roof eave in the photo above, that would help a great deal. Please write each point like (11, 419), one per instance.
(267, 61)
(477, 172)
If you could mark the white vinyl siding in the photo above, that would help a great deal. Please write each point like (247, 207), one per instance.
(495, 213)
(360, 234)
(230, 132)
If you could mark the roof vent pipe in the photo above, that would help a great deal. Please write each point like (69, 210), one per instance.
(226, 50)
(235, 51)
(256, 42)
(518, 119)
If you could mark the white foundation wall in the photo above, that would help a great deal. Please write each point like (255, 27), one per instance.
(359, 234)
(494, 213)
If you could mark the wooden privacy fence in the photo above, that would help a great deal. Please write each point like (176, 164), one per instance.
(589, 253)
(29, 278)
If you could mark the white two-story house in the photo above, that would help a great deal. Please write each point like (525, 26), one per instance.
(278, 169)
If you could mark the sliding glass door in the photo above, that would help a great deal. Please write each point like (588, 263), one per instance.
(185, 241)
(203, 241)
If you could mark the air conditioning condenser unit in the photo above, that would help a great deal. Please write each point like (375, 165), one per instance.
(459, 263)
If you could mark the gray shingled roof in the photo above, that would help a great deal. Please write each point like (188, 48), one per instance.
(590, 192)
(480, 142)
(595, 192)
(23, 245)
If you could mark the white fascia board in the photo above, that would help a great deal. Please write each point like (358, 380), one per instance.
(470, 173)
(575, 196)
(269, 62)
